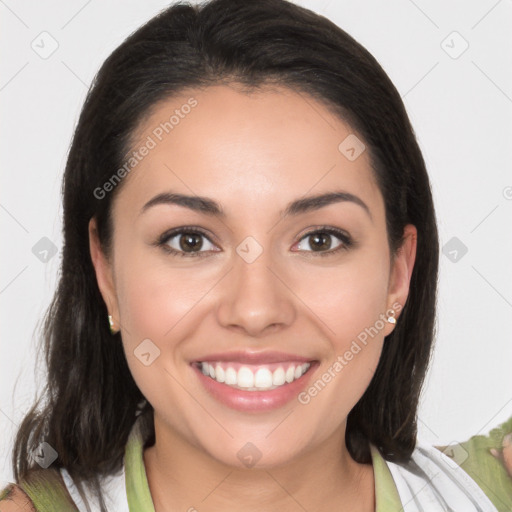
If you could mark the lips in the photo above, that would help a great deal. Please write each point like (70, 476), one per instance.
(255, 358)
(253, 381)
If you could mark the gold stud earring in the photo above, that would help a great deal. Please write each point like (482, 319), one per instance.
(391, 318)
(111, 325)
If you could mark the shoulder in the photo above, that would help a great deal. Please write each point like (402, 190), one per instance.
(13, 499)
(39, 489)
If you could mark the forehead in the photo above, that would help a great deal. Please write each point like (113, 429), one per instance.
(247, 150)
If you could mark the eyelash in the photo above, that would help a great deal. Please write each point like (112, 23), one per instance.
(162, 241)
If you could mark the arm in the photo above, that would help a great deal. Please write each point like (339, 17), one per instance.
(13, 499)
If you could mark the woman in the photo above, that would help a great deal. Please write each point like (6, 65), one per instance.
(246, 203)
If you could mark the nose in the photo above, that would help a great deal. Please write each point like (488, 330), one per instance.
(255, 298)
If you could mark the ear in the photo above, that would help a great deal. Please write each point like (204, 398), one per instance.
(401, 271)
(104, 274)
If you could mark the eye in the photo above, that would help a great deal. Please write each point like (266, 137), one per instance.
(186, 242)
(321, 241)
(192, 242)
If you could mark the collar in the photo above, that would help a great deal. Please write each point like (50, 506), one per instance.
(139, 496)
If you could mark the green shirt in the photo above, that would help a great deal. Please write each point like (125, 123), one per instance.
(487, 471)
(50, 495)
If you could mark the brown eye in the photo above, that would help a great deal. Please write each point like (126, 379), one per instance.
(186, 243)
(325, 241)
(320, 241)
(190, 241)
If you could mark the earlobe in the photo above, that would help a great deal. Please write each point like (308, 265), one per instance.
(104, 277)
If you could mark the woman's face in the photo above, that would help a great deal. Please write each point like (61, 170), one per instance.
(264, 283)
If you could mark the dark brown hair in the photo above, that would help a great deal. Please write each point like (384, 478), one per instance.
(90, 401)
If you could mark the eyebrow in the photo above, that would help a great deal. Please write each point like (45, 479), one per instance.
(210, 207)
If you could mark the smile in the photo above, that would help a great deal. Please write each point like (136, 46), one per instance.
(254, 377)
(254, 383)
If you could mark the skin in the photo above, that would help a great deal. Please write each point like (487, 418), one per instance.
(19, 501)
(254, 169)
(253, 154)
(505, 454)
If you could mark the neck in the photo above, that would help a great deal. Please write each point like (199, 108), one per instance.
(181, 476)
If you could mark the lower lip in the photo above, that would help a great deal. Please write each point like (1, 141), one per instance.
(255, 401)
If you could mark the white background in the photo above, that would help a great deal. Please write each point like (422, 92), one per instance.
(460, 108)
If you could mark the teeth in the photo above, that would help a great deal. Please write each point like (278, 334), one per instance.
(231, 377)
(263, 378)
(278, 378)
(252, 378)
(301, 370)
(220, 374)
(245, 378)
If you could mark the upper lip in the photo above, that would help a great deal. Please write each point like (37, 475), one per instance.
(254, 357)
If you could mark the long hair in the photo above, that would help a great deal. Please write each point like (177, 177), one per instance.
(89, 404)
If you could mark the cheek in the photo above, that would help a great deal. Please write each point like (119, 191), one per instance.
(156, 303)
(351, 301)
(349, 298)
(162, 302)
(154, 298)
